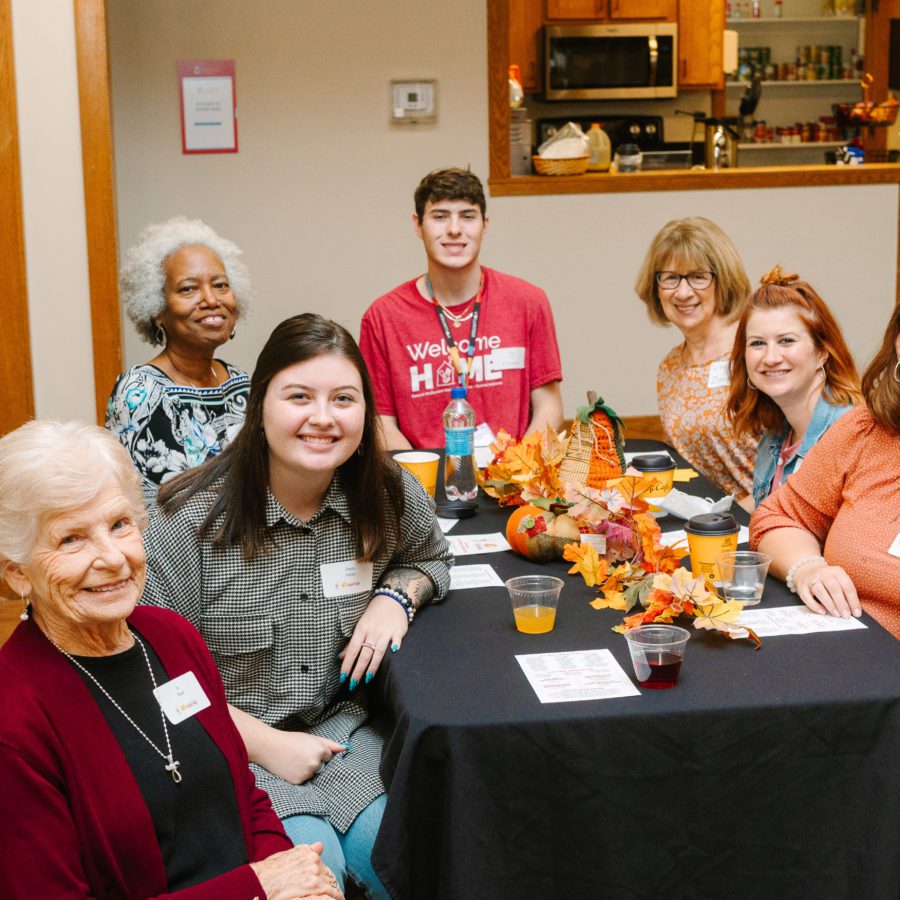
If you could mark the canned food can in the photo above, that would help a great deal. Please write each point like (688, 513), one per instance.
(791, 72)
(812, 72)
(770, 72)
(802, 55)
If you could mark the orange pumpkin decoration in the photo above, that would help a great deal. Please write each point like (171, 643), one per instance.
(540, 534)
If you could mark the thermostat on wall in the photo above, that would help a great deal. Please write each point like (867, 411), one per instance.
(413, 102)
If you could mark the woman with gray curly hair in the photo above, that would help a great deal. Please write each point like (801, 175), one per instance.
(184, 288)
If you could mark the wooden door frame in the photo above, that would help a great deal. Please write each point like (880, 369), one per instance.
(92, 53)
(16, 379)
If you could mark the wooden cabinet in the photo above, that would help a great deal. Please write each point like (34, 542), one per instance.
(611, 9)
(701, 26)
(525, 20)
(665, 10)
(575, 9)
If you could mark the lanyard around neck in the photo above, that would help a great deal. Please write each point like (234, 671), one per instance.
(463, 368)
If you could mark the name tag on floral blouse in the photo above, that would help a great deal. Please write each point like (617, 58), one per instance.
(894, 549)
(718, 374)
(343, 579)
(181, 698)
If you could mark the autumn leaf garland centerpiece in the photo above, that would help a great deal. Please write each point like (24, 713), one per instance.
(637, 569)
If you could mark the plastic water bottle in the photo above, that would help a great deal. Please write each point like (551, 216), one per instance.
(459, 443)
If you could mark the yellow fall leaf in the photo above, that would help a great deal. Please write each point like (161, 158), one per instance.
(587, 563)
(718, 613)
(610, 600)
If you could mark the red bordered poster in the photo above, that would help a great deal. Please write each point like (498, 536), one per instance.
(208, 106)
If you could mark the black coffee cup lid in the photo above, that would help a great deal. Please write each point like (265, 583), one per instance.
(653, 462)
(456, 509)
(712, 523)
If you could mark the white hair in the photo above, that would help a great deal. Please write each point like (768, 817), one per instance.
(49, 467)
(142, 279)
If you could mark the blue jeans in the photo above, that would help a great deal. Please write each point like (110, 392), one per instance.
(344, 854)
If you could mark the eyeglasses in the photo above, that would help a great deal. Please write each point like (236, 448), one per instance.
(671, 281)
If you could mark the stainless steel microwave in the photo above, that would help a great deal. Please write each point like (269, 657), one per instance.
(610, 62)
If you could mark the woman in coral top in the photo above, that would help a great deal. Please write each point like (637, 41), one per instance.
(693, 278)
(833, 530)
(792, 376)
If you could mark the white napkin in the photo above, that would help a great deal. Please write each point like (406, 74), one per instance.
(686, 506)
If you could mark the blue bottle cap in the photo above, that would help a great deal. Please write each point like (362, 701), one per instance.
(458, 393)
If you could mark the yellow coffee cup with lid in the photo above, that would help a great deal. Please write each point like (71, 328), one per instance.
(660, 467)
(709, 536)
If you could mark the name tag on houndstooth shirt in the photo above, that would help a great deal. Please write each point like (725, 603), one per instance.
(343, 579)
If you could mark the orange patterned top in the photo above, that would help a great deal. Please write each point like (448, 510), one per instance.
(692, 408)
(847, 494)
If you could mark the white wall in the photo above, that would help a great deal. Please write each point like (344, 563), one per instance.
(320, 194)
(53, 208)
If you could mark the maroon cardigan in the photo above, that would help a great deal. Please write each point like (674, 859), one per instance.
(73, 822)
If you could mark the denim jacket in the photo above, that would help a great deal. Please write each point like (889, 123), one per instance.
(823, 417)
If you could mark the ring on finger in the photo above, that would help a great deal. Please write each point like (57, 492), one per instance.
(370, 646)
(814, 584)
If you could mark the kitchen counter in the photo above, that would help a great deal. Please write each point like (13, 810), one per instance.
(693, 180)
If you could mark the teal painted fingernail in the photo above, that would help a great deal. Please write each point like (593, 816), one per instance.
(343, 677)
(369, 676)
(353, 683)
(347, 746)
(395, 648)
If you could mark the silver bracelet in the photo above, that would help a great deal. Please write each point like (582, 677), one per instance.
(792, 571)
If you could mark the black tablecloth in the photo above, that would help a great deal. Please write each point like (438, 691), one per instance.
(762, 774)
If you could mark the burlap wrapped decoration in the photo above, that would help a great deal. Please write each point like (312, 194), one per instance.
(597, 448)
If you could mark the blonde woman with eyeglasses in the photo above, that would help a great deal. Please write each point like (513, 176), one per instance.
(693, 278)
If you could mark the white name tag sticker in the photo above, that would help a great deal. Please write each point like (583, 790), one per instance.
(508, 358)
(343, 579)
(718, 374)
(181, 698)
(598, 541)
(894, 549)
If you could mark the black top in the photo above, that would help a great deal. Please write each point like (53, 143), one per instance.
(197, 824)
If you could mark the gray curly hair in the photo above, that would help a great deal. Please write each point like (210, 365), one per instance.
(142, 279)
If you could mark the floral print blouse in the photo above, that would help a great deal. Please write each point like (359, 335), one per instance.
(167, 427)
(692, 408)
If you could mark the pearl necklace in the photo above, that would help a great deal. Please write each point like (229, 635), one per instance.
(171, 764)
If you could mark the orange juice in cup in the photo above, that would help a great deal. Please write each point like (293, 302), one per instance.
(709, 536)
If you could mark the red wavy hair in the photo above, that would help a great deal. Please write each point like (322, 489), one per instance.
(752, 411)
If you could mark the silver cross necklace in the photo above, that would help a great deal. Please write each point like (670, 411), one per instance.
(171, 763)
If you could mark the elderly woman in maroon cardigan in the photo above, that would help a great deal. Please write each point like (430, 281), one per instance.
(121, 774)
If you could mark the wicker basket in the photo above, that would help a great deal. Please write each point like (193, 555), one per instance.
(575, 165)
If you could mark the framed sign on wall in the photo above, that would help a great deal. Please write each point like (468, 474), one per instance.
(208, 106)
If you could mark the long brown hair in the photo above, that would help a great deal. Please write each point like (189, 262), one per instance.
(754, 412)
(879, 383)
(371, 481)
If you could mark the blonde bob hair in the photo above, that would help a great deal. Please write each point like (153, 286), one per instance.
(142, 279)
(694, 244)
(49, 467)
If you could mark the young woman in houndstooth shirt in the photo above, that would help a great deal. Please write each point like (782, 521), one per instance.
(301, 554)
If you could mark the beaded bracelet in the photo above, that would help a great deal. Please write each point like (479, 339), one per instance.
(792, 571)
(401, 597)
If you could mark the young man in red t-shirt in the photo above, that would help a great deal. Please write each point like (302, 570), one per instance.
(416, 339)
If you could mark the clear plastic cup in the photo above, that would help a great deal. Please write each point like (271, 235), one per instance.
(656, 654)
(534, 599)
(743, 575)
